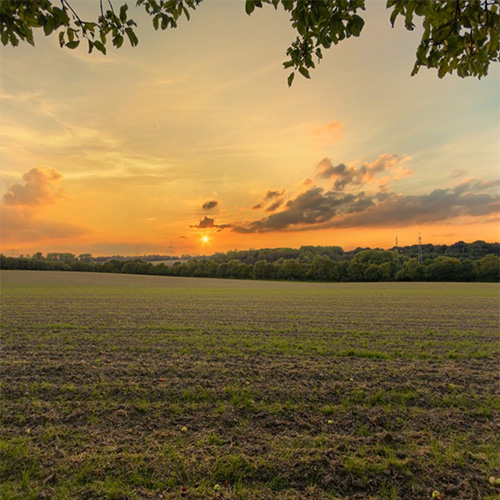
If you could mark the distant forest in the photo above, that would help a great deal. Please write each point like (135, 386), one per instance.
(478, 261)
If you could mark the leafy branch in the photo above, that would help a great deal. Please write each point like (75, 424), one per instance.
(459, 36)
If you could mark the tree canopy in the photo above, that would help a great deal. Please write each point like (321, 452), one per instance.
(459, 36)
(478, 261)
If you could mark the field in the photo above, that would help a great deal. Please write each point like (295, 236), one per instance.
(137, 387)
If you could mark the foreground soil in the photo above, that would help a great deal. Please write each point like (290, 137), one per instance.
(137, 387)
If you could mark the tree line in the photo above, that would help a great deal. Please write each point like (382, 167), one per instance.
(478, 261)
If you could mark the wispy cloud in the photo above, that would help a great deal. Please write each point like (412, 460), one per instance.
(24, 227)
(458, 172)
(330, 132)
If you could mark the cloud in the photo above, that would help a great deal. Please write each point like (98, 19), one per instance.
(40, 188)
(274, 206)
(208, 223)
(317, 208)
(437, 206)
(458, 172)
(470, 185)
(21, 225)
(343, 176)
(330, 132)
(208, 205)
(310, 208)
(270, 196)
(21, 202)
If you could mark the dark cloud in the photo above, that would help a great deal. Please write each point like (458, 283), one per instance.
(437, 206)
(274, 206)
(208, 205)
(270, 196)
(208, 223)
(39, 188)
(319, 209)
(348, 204)
(313, 207)
(325, 169)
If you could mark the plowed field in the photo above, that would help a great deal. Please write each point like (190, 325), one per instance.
(148, 387)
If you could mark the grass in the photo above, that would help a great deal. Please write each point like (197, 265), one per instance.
(285, 390)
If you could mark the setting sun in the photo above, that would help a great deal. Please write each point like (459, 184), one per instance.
(205, 239)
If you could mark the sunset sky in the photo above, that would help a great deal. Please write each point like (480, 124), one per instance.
(194, 133)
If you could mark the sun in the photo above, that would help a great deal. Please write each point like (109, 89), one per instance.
(205, 239)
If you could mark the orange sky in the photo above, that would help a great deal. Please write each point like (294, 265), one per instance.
(195, 133)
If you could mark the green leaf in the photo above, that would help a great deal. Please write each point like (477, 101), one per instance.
(60, 17)
(100, 47)
(290, 79)
(123, 13)
(394, 15)
(48, 27)
(357, 24)
(73, 45)
(131, 36)
(304, 72)
(118, 41)
(249, 6)
(14, 41)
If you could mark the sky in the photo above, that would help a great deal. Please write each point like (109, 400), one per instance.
(192, 142)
